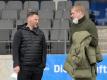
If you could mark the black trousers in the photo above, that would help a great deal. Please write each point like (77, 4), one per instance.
(30, 73)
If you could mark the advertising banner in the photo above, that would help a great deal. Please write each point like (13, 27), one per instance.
(54, 68)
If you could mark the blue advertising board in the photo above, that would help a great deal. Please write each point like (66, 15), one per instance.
(54, 68)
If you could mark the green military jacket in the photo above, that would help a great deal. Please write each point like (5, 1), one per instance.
(74, 65)
(77, 62)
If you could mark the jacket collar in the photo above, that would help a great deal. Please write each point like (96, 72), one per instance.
(82, 19)
(35, 30)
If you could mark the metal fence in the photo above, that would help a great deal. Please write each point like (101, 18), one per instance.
(57, 40)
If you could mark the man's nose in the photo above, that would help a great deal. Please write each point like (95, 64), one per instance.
(71, 15)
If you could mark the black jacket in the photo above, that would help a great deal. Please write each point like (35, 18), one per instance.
(29, 47)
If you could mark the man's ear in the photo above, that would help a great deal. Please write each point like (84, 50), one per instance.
(79, 12)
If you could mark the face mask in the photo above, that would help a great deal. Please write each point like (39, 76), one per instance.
(75, 21)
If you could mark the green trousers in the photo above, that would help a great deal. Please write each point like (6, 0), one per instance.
(93, 70)
(93, 78)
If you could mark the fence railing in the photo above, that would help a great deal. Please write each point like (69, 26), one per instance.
(57, 41)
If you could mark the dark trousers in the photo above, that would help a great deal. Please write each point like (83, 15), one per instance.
(30, 73)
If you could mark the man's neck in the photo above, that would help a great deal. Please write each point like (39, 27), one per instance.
(81, 17)
(30, 27)
(35, 26)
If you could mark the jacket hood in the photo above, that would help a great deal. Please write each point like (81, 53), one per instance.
(23, 27)
(79, 36)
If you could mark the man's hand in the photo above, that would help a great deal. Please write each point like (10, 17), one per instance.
(43, 65)
(16, 69)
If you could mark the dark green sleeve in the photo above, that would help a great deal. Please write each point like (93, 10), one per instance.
(70, 32)
(93, 31)
(70, 36)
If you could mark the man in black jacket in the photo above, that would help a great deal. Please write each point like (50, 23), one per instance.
(29, 50)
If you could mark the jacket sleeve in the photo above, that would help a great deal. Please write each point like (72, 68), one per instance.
(93, 31)
(70, 33)
(44, 50)
(16, 47)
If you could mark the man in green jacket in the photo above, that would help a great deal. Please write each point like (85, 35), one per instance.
(80, 22)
